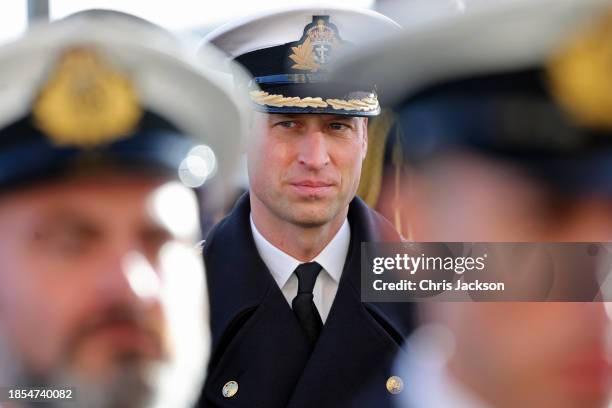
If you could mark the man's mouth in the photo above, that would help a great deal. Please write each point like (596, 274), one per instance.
(312, 188)
(126, 338)
(591, 373)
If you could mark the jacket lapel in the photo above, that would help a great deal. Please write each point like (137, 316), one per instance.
(237, 277)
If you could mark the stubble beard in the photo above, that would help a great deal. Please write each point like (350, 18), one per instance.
(132, 384)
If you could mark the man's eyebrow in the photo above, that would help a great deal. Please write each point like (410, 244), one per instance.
(342, 117)
(65, 216)
(64, 221)
(278, 116)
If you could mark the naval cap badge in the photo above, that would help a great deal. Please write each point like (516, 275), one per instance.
(315, 49)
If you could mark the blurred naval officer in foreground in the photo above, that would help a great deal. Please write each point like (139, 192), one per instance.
(288, 326)
(507, 120)
(102, 285)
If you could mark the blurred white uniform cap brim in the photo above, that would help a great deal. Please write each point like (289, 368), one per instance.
(493, 37)
(168, 78)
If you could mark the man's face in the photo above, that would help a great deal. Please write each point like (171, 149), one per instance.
(517, 354)
(86, 289)
(465, 197)
(305, 168)
(529, 354)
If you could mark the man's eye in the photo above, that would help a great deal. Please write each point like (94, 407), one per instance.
(338, 126)
(64, 241)
(287, 124)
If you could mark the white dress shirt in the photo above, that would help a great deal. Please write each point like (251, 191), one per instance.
(331, 259)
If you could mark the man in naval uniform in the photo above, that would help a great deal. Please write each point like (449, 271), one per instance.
(288, 325)
(507, 123)
(102, 293)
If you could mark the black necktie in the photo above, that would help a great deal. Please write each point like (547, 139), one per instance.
(303, 306)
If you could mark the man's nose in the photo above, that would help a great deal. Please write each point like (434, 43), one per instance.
(128, 276)
(313, 150)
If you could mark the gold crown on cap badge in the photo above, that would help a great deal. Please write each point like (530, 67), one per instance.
(580, 75)
(85, 101)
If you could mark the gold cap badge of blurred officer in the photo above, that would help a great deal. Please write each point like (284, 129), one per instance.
(86, 101)
(97, 96)
(579, 75)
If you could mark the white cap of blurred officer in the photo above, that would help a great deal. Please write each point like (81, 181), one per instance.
(104, 120)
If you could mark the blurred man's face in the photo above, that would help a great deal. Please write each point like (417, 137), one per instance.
(516, 354)
(90, 273)
(304, 169)
(471, 198)
(529, 354)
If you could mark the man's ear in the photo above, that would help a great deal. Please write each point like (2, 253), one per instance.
(248, 134)
(255, 123)
(365, 138)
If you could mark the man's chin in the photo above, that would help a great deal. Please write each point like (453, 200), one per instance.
(310, 220)
(128, 384)
(94, 359)
(313, 214)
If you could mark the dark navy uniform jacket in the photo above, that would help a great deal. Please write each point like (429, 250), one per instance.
(258, 342)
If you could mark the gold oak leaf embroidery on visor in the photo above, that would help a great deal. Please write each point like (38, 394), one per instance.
(279, 101)
(264, 98)
(365, 104)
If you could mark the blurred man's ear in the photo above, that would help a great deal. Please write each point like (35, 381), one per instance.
(364, 124)
(252, 124)
(414, 205)
(256, 123)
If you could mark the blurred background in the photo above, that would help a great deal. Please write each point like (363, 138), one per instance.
(180, 16)
(198, 17)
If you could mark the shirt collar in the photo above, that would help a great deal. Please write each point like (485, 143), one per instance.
(282, 265)
(333, 256)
